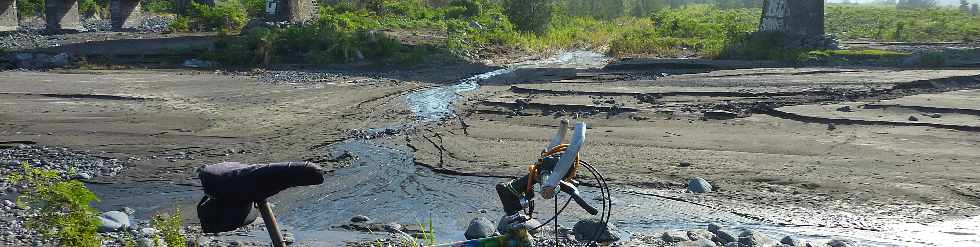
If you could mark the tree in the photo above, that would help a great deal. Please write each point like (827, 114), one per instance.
(530, 15)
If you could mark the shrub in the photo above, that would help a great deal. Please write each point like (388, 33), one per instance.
(159, 6)
(463, 9)
(227, 16)
(63, 207)
(28, 8)
(93, 7)
(529, 16)
(254, 8)
(171, 228)
(181, 24)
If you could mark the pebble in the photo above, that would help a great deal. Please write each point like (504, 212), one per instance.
(913, 118)
(699, 185)
(360, 218)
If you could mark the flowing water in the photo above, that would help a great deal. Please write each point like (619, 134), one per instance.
(385, 184)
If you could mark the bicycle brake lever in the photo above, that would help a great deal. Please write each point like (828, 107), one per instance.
(572, 191)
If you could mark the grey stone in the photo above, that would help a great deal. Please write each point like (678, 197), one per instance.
(83, 176)
(913, 118)
(8, 203)
(479, 227)
(845, 108)
(789, 240)
(149, 231)
(128, 210)
(699, 185)
(734, 244)
(360, 218)
(393, 227)
(674, 236)
(696, 243)
(752, 238)
(841, 243)
(586, 230)
(684, 164)
(935, 115)
(700, 234)
(288, 238)
(113, 221)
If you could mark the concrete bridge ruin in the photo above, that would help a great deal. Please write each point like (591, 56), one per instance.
(63, 15)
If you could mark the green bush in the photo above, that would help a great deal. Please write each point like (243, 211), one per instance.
(227, 16)
(160, 6)
(93, 7)
(171, 228)
(181, 24)
(63, 207)
(463, 9)
(701, 29)
(254, 8)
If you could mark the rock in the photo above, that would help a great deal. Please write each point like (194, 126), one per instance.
(719, 115)
(197, 63)
(586, 230)
(531, 224)
(360, 218)
(128, 210)
(935, 115)
(288, 238)
(83, 176)
(752, 238)
(151, 242)
(698, 185)
(789, 240)
(721, 236)
(913, 118)
(393, 227)
(684, 163)
(696, 243)
(674, 236)
(841, 243)
(700, 234)
(480, 227)
(734, 244)
(149, 232)
(846, 108)
(113, 221)
(8, 203)
(831, 126)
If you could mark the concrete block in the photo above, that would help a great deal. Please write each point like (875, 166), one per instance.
(8, 16)
(62, 16)
(125, 14)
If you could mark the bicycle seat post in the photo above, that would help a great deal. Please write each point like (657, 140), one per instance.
(271, 224)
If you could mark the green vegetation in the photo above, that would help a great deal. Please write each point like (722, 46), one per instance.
(171, 228)
(93, 7)
(887, 23)
(63, 207)
(530, 16)
(28, 8)
(226, 16)
(696, 29)
(159, 6)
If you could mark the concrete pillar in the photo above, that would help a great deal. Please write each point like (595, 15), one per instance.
(801, 17)
(8, 15)
(62, 16)
(125, 14)
(293, 11)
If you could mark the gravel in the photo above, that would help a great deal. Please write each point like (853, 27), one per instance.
(84, 164)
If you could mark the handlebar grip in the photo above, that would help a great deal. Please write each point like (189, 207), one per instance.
(573, 192)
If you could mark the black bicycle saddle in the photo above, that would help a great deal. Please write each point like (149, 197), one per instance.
(231, 189)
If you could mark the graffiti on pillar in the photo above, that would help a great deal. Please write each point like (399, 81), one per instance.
(773, 16)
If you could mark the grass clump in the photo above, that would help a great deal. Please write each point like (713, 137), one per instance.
(64, 214)
(693, 29)
(171, 228)
(29, 8)
(226, 16)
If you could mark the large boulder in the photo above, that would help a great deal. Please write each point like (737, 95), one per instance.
(585, 230)
(699, 185)
(700, 234)
(480, 228)
(752, 238)
(696, 243)
(789, 240)
(113, 221)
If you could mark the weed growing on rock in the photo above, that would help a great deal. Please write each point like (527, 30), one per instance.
(171, 228)
(64, 213)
